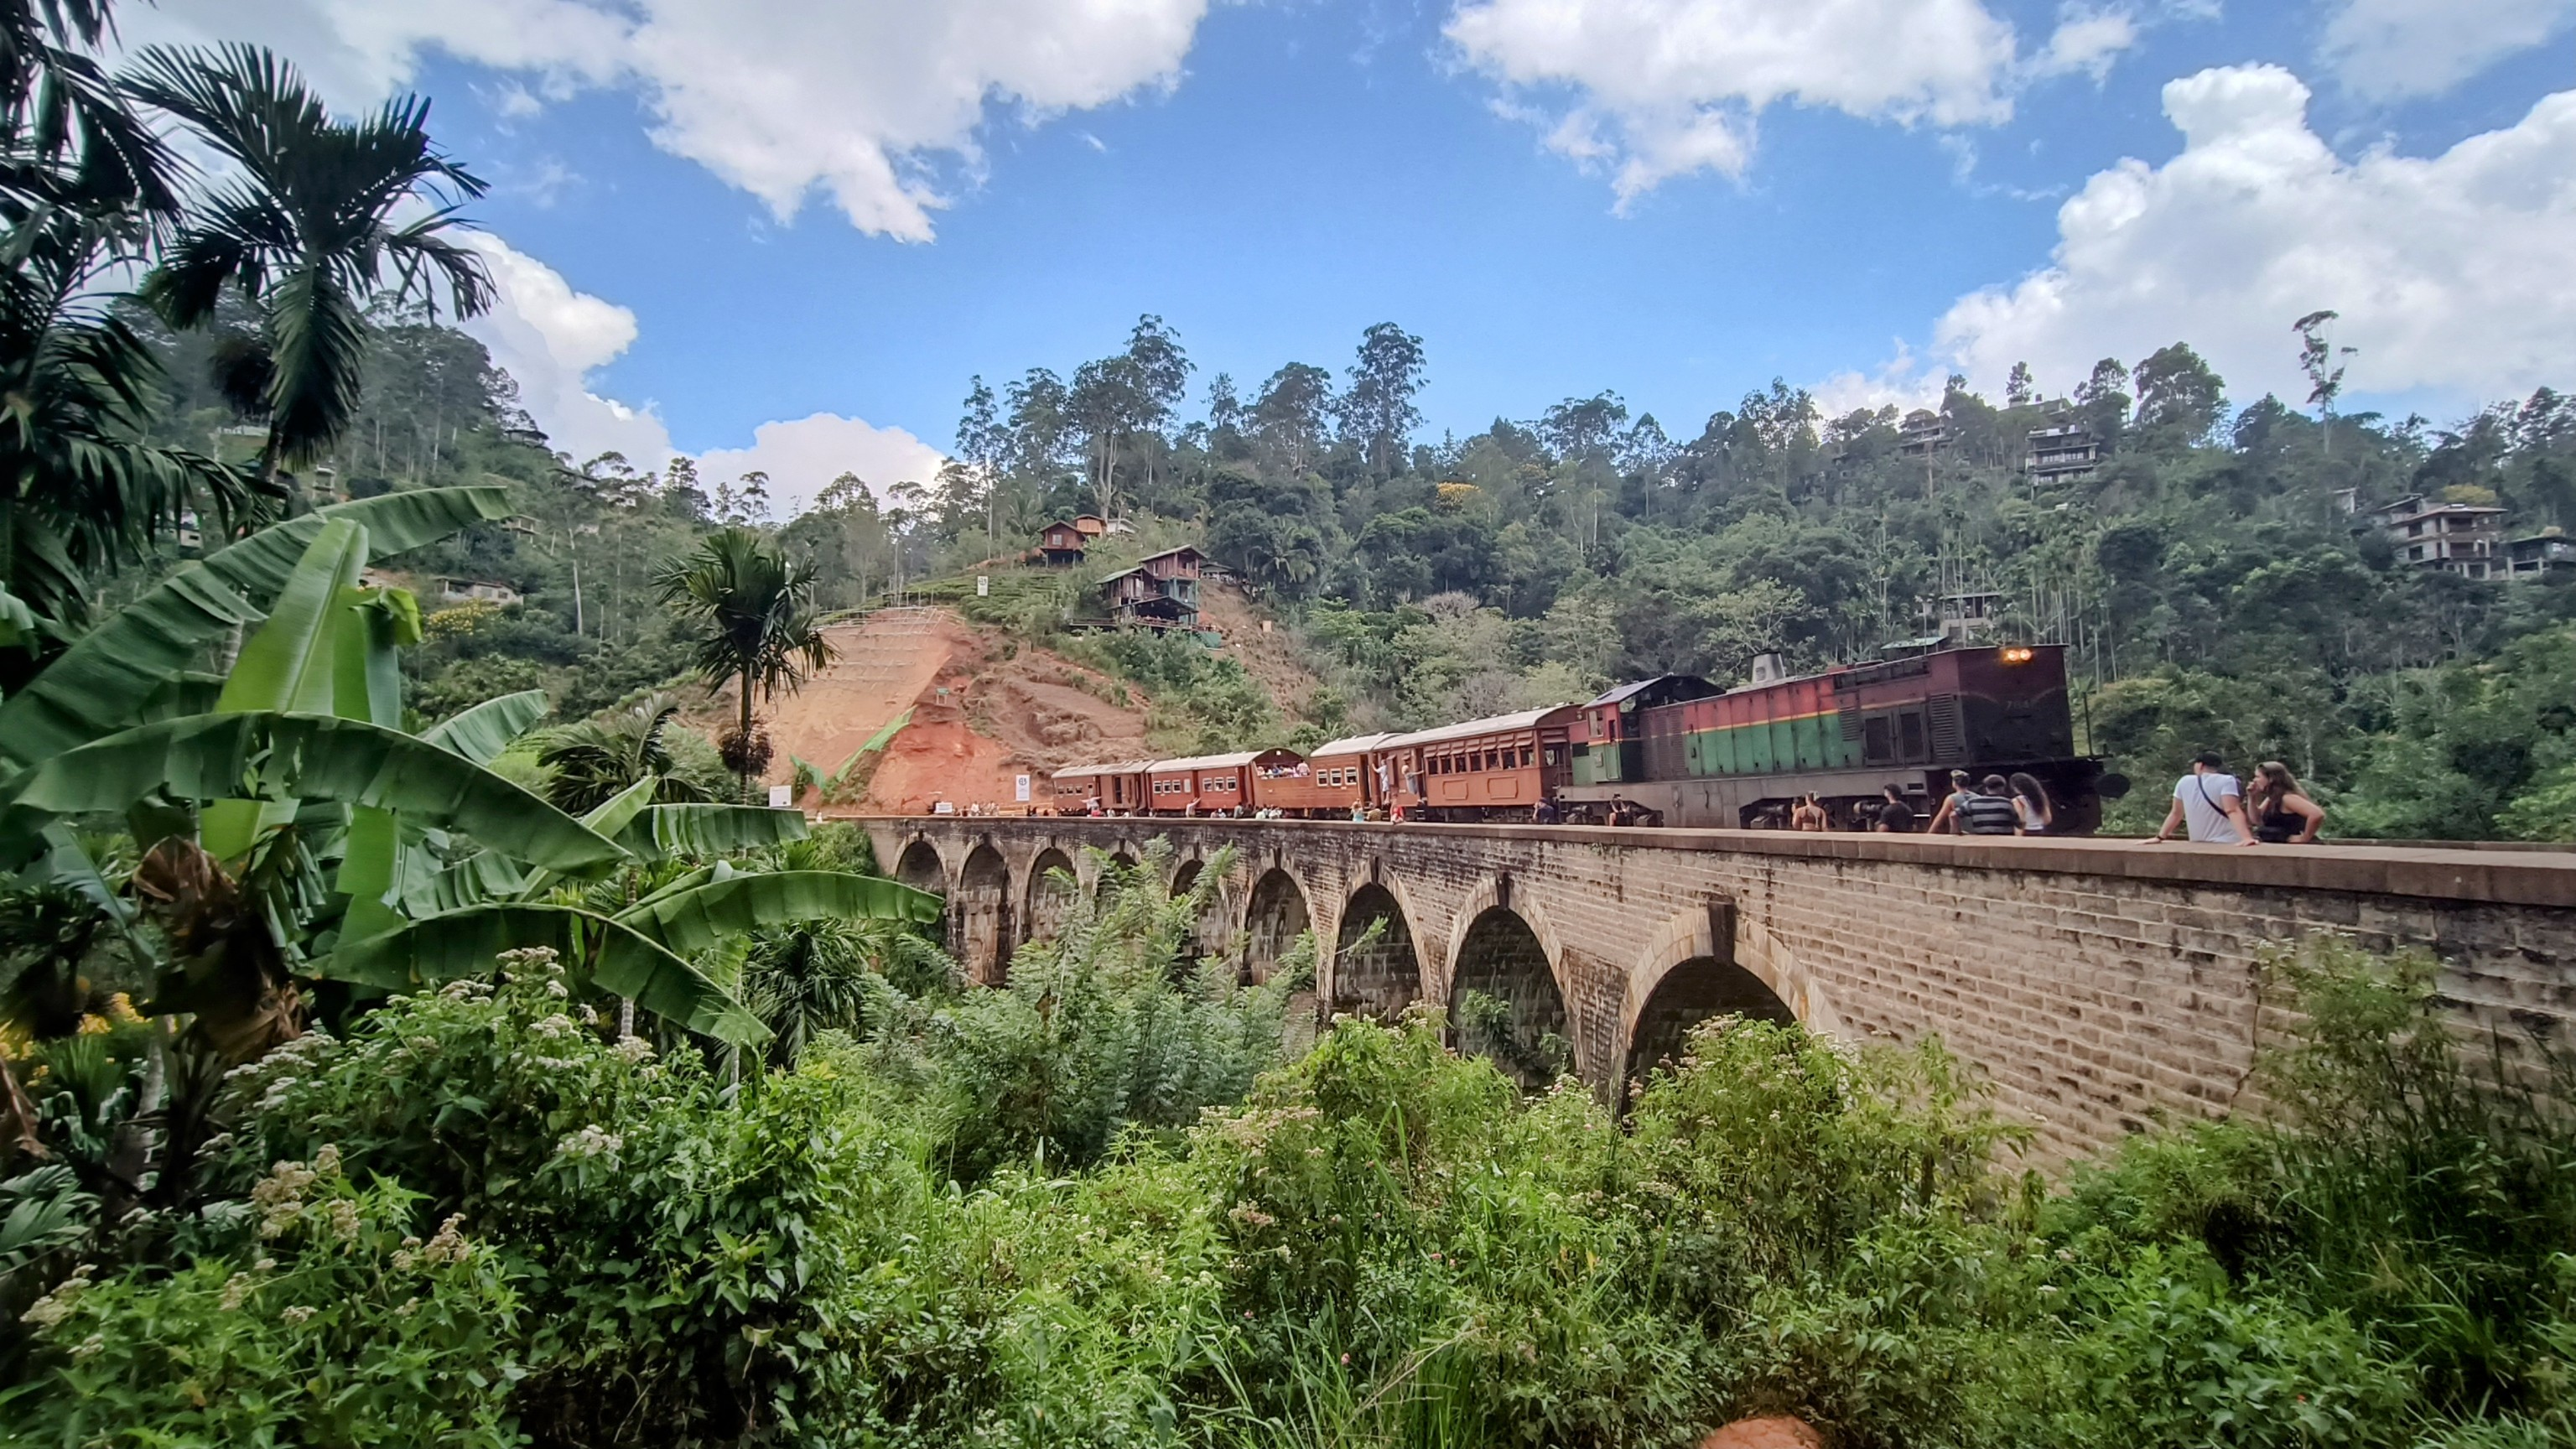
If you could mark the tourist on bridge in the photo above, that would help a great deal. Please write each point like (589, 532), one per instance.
(1545, 812)
(1946, 819)
(1893, 816)
(1810, 815)
(2211, 803)
(2030, 799)
(2282, 813)
(1989, 810)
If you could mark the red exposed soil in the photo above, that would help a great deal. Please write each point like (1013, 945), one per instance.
(983, 713)
(1779, 1432)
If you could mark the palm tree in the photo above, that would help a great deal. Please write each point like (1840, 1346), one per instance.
(85, 189)
(308, 231)
(596, 759)
(757, 608)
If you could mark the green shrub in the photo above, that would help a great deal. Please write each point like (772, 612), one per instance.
(314, 1313)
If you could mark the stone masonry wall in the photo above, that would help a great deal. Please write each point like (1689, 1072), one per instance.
(2098, 983)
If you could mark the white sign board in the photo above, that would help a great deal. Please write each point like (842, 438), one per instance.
(781, 797)
(983, 586)
(1020, 788)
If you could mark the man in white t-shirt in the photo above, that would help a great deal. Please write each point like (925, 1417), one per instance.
(2211, 803)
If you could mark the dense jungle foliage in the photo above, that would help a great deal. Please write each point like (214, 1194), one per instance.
(1099, 1206)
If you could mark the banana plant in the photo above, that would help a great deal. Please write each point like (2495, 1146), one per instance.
(294, 767)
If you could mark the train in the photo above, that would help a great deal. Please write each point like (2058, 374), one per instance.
(1672, 750)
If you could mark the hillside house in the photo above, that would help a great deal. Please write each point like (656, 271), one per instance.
(2062, 452)
(1161, 592)
(2546, 552)
(2462, 538)
(1062, 544)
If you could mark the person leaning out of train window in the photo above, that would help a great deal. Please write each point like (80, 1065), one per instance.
(1893, 815)
(2030, 801)
(1946, 819)
(2282, 812)
(1989, 810)
(2209, 805)
(1810, 815)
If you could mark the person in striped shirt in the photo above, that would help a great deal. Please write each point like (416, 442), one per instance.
(1990, 810)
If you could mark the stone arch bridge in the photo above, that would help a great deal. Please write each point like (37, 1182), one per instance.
(2098, 983)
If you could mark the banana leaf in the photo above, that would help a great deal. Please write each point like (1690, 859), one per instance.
(287, 663)
(664, 831)
(480, 734)
(693, 920)
(17, 622)
(306, 757)
(472, 881)
(619, 959)
(99, 685)
(290, 663)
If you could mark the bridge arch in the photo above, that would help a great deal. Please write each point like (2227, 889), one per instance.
(1688, 973)
(1384, 977)
(1053, 886)
(921, 868)
(1274, 915)
(1507, 997)
(979, 916)
(1121, 861)
(1215, 929)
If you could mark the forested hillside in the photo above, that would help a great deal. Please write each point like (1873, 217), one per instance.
(2213, 589)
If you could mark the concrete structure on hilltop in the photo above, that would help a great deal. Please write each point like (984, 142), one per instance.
(2545, 552)
(2062, 452)
(2098, 983)
(2462, 538)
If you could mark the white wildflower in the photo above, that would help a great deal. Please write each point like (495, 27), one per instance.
(634, 1049)
(592, 1141)
(298, 1315)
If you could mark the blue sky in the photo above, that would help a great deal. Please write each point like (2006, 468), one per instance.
(710, 217)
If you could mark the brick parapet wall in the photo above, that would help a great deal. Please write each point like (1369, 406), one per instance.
(2098, 983)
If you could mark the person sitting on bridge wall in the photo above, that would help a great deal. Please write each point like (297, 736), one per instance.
(2211, 803)
(1989, 810)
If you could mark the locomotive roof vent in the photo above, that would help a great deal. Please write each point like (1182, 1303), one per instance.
(1769, 669)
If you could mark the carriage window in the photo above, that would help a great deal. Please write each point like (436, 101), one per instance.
(1909, 726)
(1551, 755)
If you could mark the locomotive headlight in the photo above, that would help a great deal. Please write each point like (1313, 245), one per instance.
(2017, 654)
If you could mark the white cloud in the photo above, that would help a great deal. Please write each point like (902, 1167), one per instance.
(1903, 384)
(2449, 270)
(804, 456)
(1668, 87)
(550, 338)
(2086, 42)
(2391, 49)
(783, 98)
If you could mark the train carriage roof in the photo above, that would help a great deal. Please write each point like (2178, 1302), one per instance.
(1116, 767)
(1355, 745)
(1218, 762)
(1472, 729)
(1662, 689)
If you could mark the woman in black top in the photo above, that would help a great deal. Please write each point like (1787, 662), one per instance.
(2282, 813)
